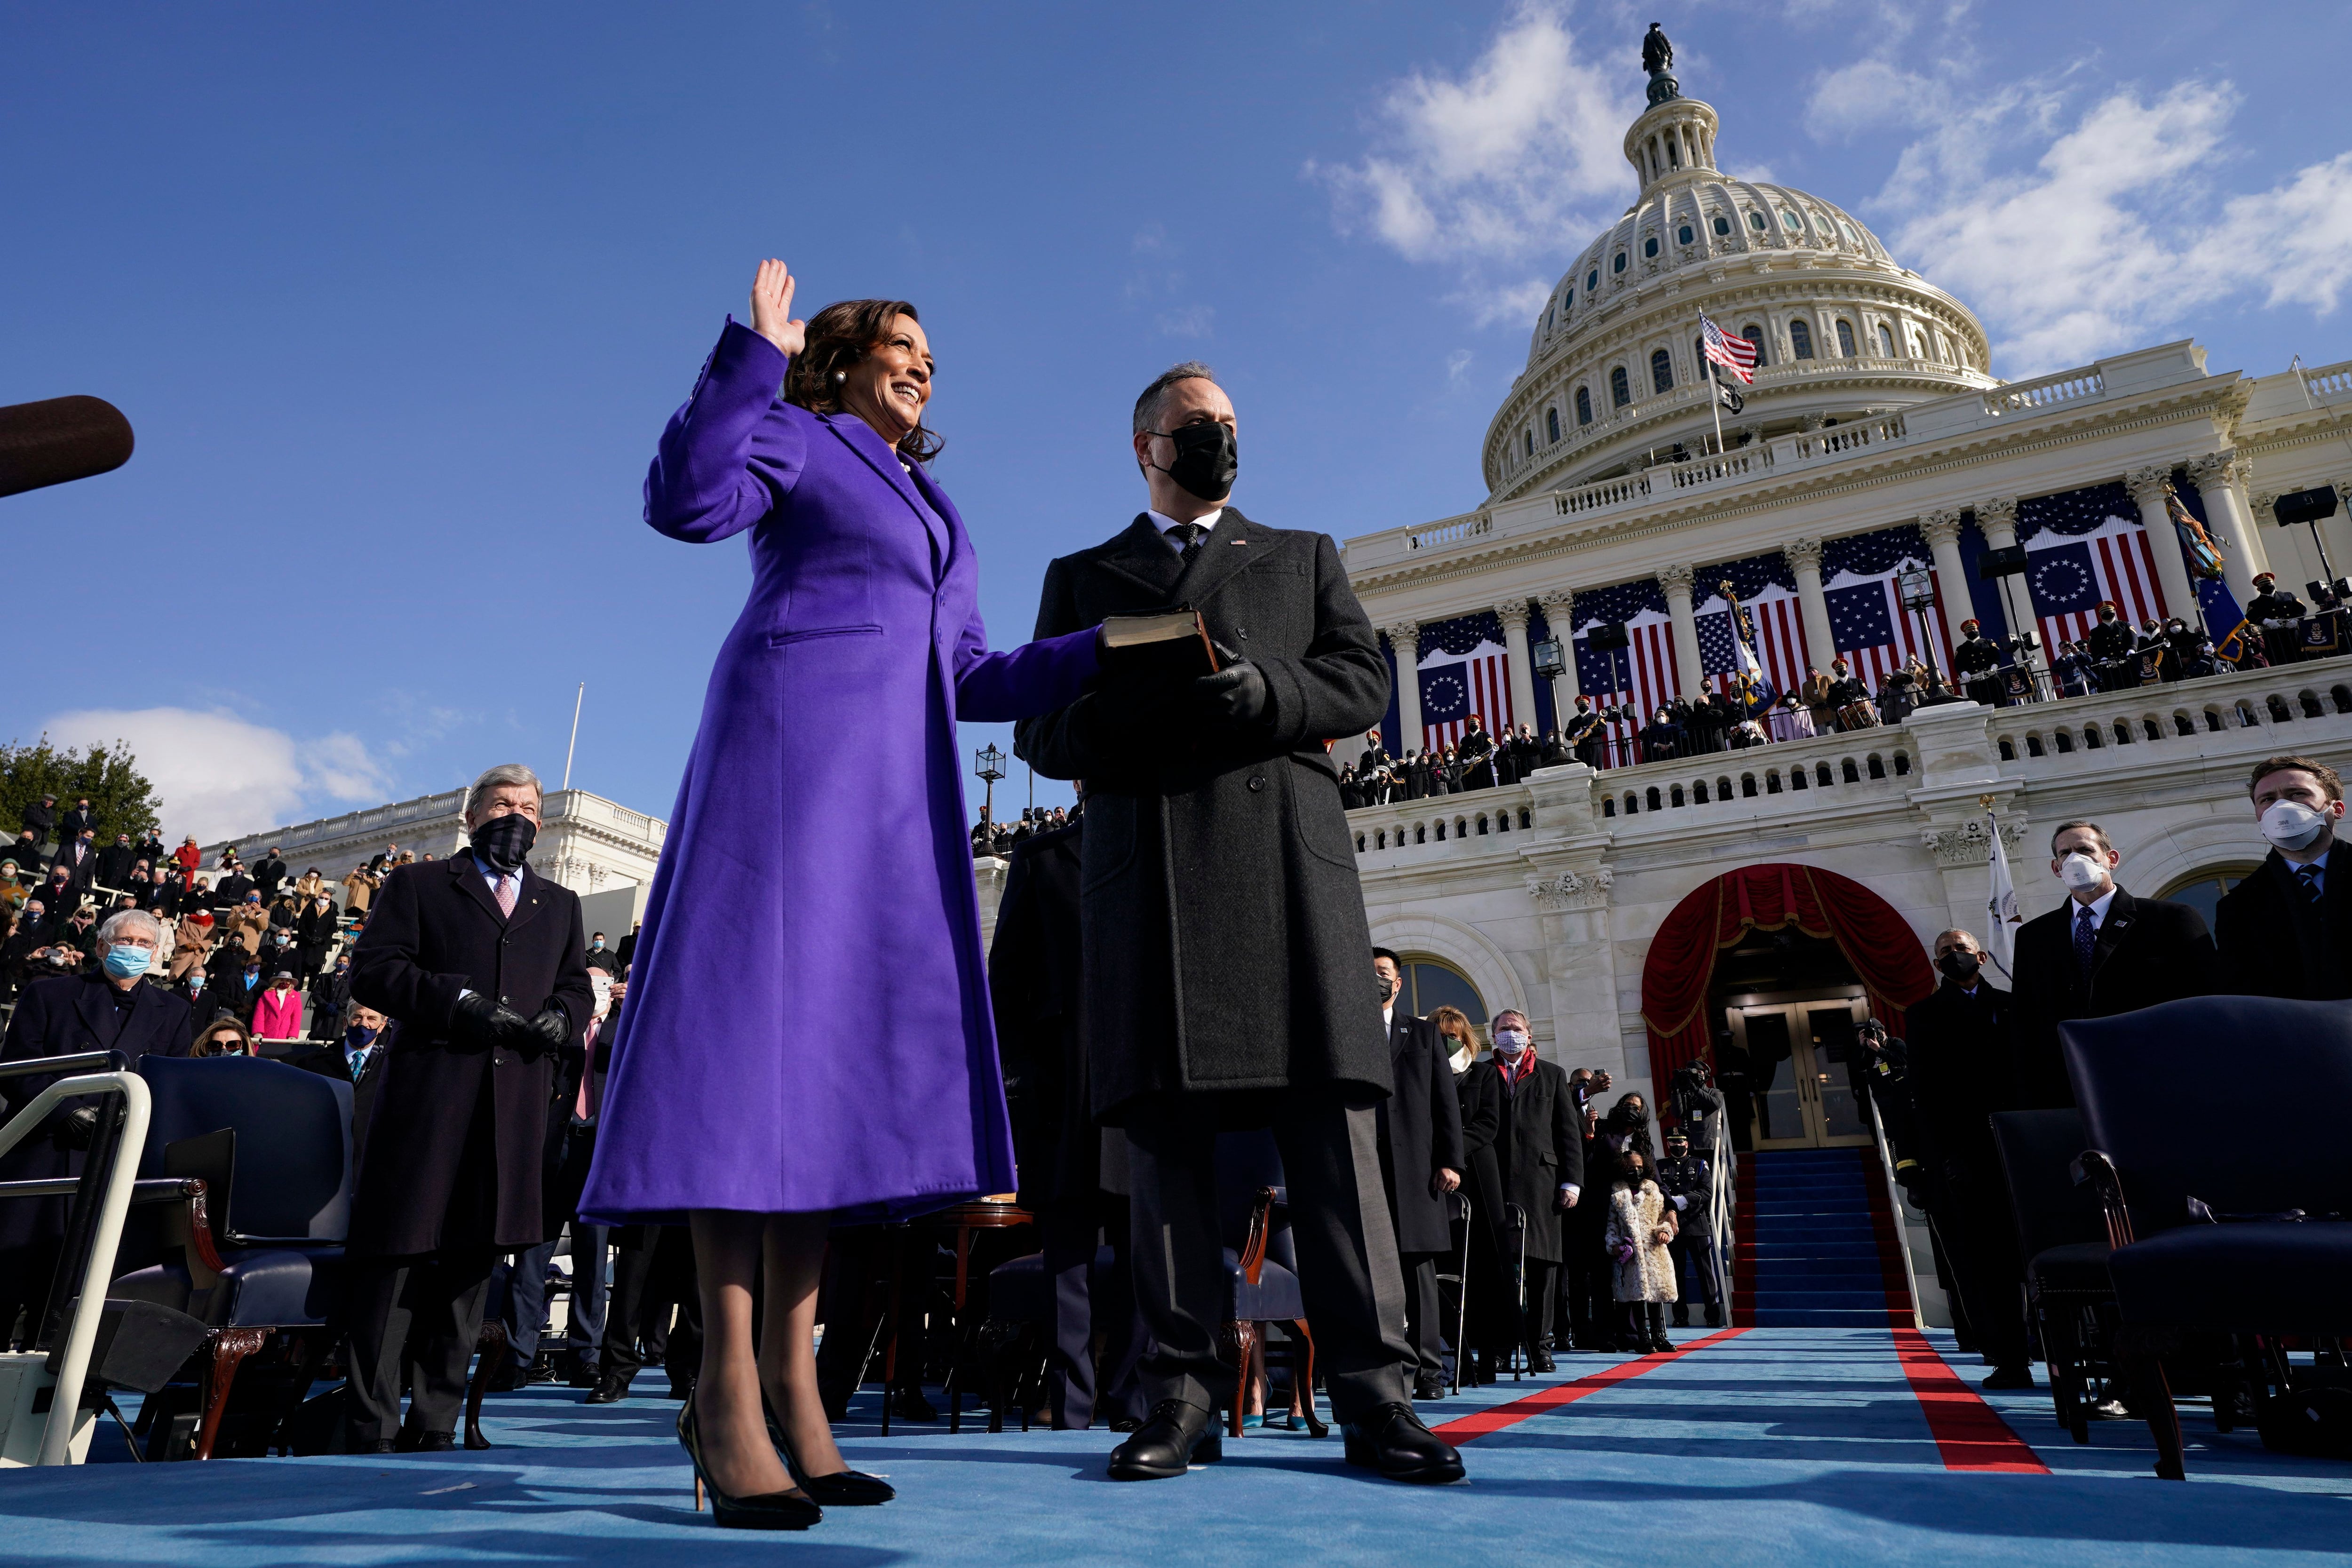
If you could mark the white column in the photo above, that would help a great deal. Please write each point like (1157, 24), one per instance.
(1559, 613)
(1520, 665)
(1677, 582)
(1405, 637)
(1805, 561)
(2147, 488)
(1997, 518)
(2220, 479)
(1942, 532)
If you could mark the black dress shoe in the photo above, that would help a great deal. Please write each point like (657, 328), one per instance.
(1714, 1315)
(369, 1446)
(681, 1389)
(1392, 1440)
(413, 1442)
(1682, 1316)
(1429, 1388)
(585, 1377)
(842, 1488)
(1541, 1360)
(2009, 1377)
(1125, 1424)
(1176, 1434)
(908, 1405)
(610, 1390)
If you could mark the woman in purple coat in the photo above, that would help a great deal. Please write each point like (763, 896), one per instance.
(816, 869)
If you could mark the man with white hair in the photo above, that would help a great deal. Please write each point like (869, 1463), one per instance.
(479, 962)
(113, 1009)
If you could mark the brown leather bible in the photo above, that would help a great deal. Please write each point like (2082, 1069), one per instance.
(1170, 645)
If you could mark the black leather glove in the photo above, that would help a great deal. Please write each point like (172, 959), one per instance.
(546, 1032)
(1235, 694)
(483, 1021)
(78, 1129)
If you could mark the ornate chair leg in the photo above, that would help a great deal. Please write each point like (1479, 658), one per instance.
(1307, 1385)
(492, 1349)
(229, 1350)
(1244, 1338)
(2140, 1361)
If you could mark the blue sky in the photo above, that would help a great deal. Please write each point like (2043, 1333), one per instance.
(399, 298)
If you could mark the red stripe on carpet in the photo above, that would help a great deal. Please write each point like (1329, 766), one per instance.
(1494, 1419)
(1969, 1433)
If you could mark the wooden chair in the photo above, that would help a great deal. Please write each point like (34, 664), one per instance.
(1261, 1290)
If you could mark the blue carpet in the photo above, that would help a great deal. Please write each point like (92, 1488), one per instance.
(1795, 1447)
(1806, 1230)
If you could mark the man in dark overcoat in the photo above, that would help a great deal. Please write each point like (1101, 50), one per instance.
(2101, 953)
(479, 962)
(1421, 1162)
(1223, 931)
(64, 1015)
(1072, 1173)
(2285, 930)
(1525, 1147)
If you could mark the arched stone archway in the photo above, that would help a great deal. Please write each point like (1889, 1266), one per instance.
(1467, 949)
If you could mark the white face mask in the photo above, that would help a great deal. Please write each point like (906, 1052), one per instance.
(2081, 872)
(2291, 825)
(1509, 1042)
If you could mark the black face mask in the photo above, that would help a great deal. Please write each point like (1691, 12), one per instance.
(503, 841)
(1206, 459)
(1960, 966)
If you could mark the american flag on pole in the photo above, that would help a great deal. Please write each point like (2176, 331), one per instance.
(1737, 355)
(2085, 547)
(1464, 670)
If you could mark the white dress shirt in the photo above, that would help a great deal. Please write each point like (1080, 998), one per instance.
(1207, 523)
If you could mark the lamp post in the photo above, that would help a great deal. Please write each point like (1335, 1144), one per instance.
(989, 764)
(1917, 588)
(1552, 663)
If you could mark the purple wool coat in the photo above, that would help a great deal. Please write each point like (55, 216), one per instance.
(808, 1023)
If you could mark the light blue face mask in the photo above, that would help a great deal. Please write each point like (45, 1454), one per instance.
(124, 960)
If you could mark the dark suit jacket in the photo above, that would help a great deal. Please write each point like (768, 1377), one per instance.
(2148, 951)
(1419, 1132)
(1523, 1143)
(1226, 950)
(71, 824)
(2275, 942)
(1960, 1056)
(1034, 985)
(80, 861)
(435, 931)
(114, 863)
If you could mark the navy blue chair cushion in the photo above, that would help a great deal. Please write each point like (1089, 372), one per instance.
(293, 1175)
(1019, 1291)
(262, 1287)
(2260, 1278)
(1276, 1298)
(2073, 1266)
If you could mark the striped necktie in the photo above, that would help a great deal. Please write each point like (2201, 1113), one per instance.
(2309, 877)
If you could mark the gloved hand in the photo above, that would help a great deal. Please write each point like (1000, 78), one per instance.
(483, 1021)
(1236, 694)
(78, 1129)
(547, 1031)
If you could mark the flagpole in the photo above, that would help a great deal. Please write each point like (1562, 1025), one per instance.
(1714, 392)
(574, 746)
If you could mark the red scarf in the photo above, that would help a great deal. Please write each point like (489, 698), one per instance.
(1512, 1072)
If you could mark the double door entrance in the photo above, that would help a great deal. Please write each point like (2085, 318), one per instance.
(1801, 1049)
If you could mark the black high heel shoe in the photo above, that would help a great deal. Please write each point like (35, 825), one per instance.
(769, 1510)
(843, 1489)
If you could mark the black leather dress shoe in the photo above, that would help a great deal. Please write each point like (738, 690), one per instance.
(1541, 1362)
(1392, 1440)
(412, 1441)
(611, 1390)
(585, 1377)
(1176, 1434)
(1429, 1388)
(369, 1446)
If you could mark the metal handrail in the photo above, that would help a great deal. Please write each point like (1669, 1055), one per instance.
(1894, 1204)
(1721, 1206)
(81, 1332)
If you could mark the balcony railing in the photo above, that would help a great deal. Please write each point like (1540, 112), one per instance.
(2024, 397)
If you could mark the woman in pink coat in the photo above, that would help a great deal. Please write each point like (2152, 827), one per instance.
(277, 1013)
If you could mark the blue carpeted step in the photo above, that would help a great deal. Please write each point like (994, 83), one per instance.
(1769, 1248)
(1818, 1318)
(1826, 1269)
(1810, 1254)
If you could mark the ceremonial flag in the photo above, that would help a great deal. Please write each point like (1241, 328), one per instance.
(2001, 908)
(1737, 355)
(1463, 671)
(2197, 547)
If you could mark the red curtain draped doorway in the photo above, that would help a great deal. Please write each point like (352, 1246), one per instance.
(1886, 957)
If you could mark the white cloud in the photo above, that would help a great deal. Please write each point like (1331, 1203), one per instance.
(1518, 157)
(218, 776)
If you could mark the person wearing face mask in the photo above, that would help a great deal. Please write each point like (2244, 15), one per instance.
(1959, 1076)
(1421, 1162)
(111, 1009)
(2101, 953)
(2285, 930)
(477, 961)
(277, 1014)
(1223, 931)
(2280, 615)
(1521, 1133)
(600, 954)
(2110, 643)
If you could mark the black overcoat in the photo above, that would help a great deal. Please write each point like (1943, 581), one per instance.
(1959, 1051)
(431, 1178)
(1419, 1132)
(58, 1016)
(1535, 1139)
(2148, 950)
(1033, 986)
(1226, 945)
(2275, 942)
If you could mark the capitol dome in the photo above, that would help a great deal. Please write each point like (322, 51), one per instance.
(1614, 381)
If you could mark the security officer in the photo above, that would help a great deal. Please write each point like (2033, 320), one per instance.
(1976, 658)
(2110, 643)
(1882, 1074)
(2280, 615)
(1688, 1183)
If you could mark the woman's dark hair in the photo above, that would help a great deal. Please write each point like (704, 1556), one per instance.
(839, 336)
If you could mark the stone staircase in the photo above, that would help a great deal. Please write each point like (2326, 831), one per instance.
(1816, 1245)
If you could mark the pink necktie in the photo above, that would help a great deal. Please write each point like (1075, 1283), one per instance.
(507, 895)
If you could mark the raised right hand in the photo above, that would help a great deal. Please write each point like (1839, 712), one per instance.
(771, 308)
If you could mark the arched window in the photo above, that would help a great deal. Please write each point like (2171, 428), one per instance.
(1583, 405)
(1800, 340)
(1756, 221)
(1886, 341)
(1552, 422)
(1531, 441)
(1754, 335)
(1432, 982)
(1684, 235)
(1650, 246)
(1621, 392)
(2203, 890)
(1618, 265)
(1662, 371)
(1592, 281)
(1722, 224)
(1845, 339)
(1790, 221)
(1567, 303)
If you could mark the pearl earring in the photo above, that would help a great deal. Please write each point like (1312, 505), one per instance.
(841, 376)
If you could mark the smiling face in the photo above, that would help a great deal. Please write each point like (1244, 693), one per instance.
(889, 387)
